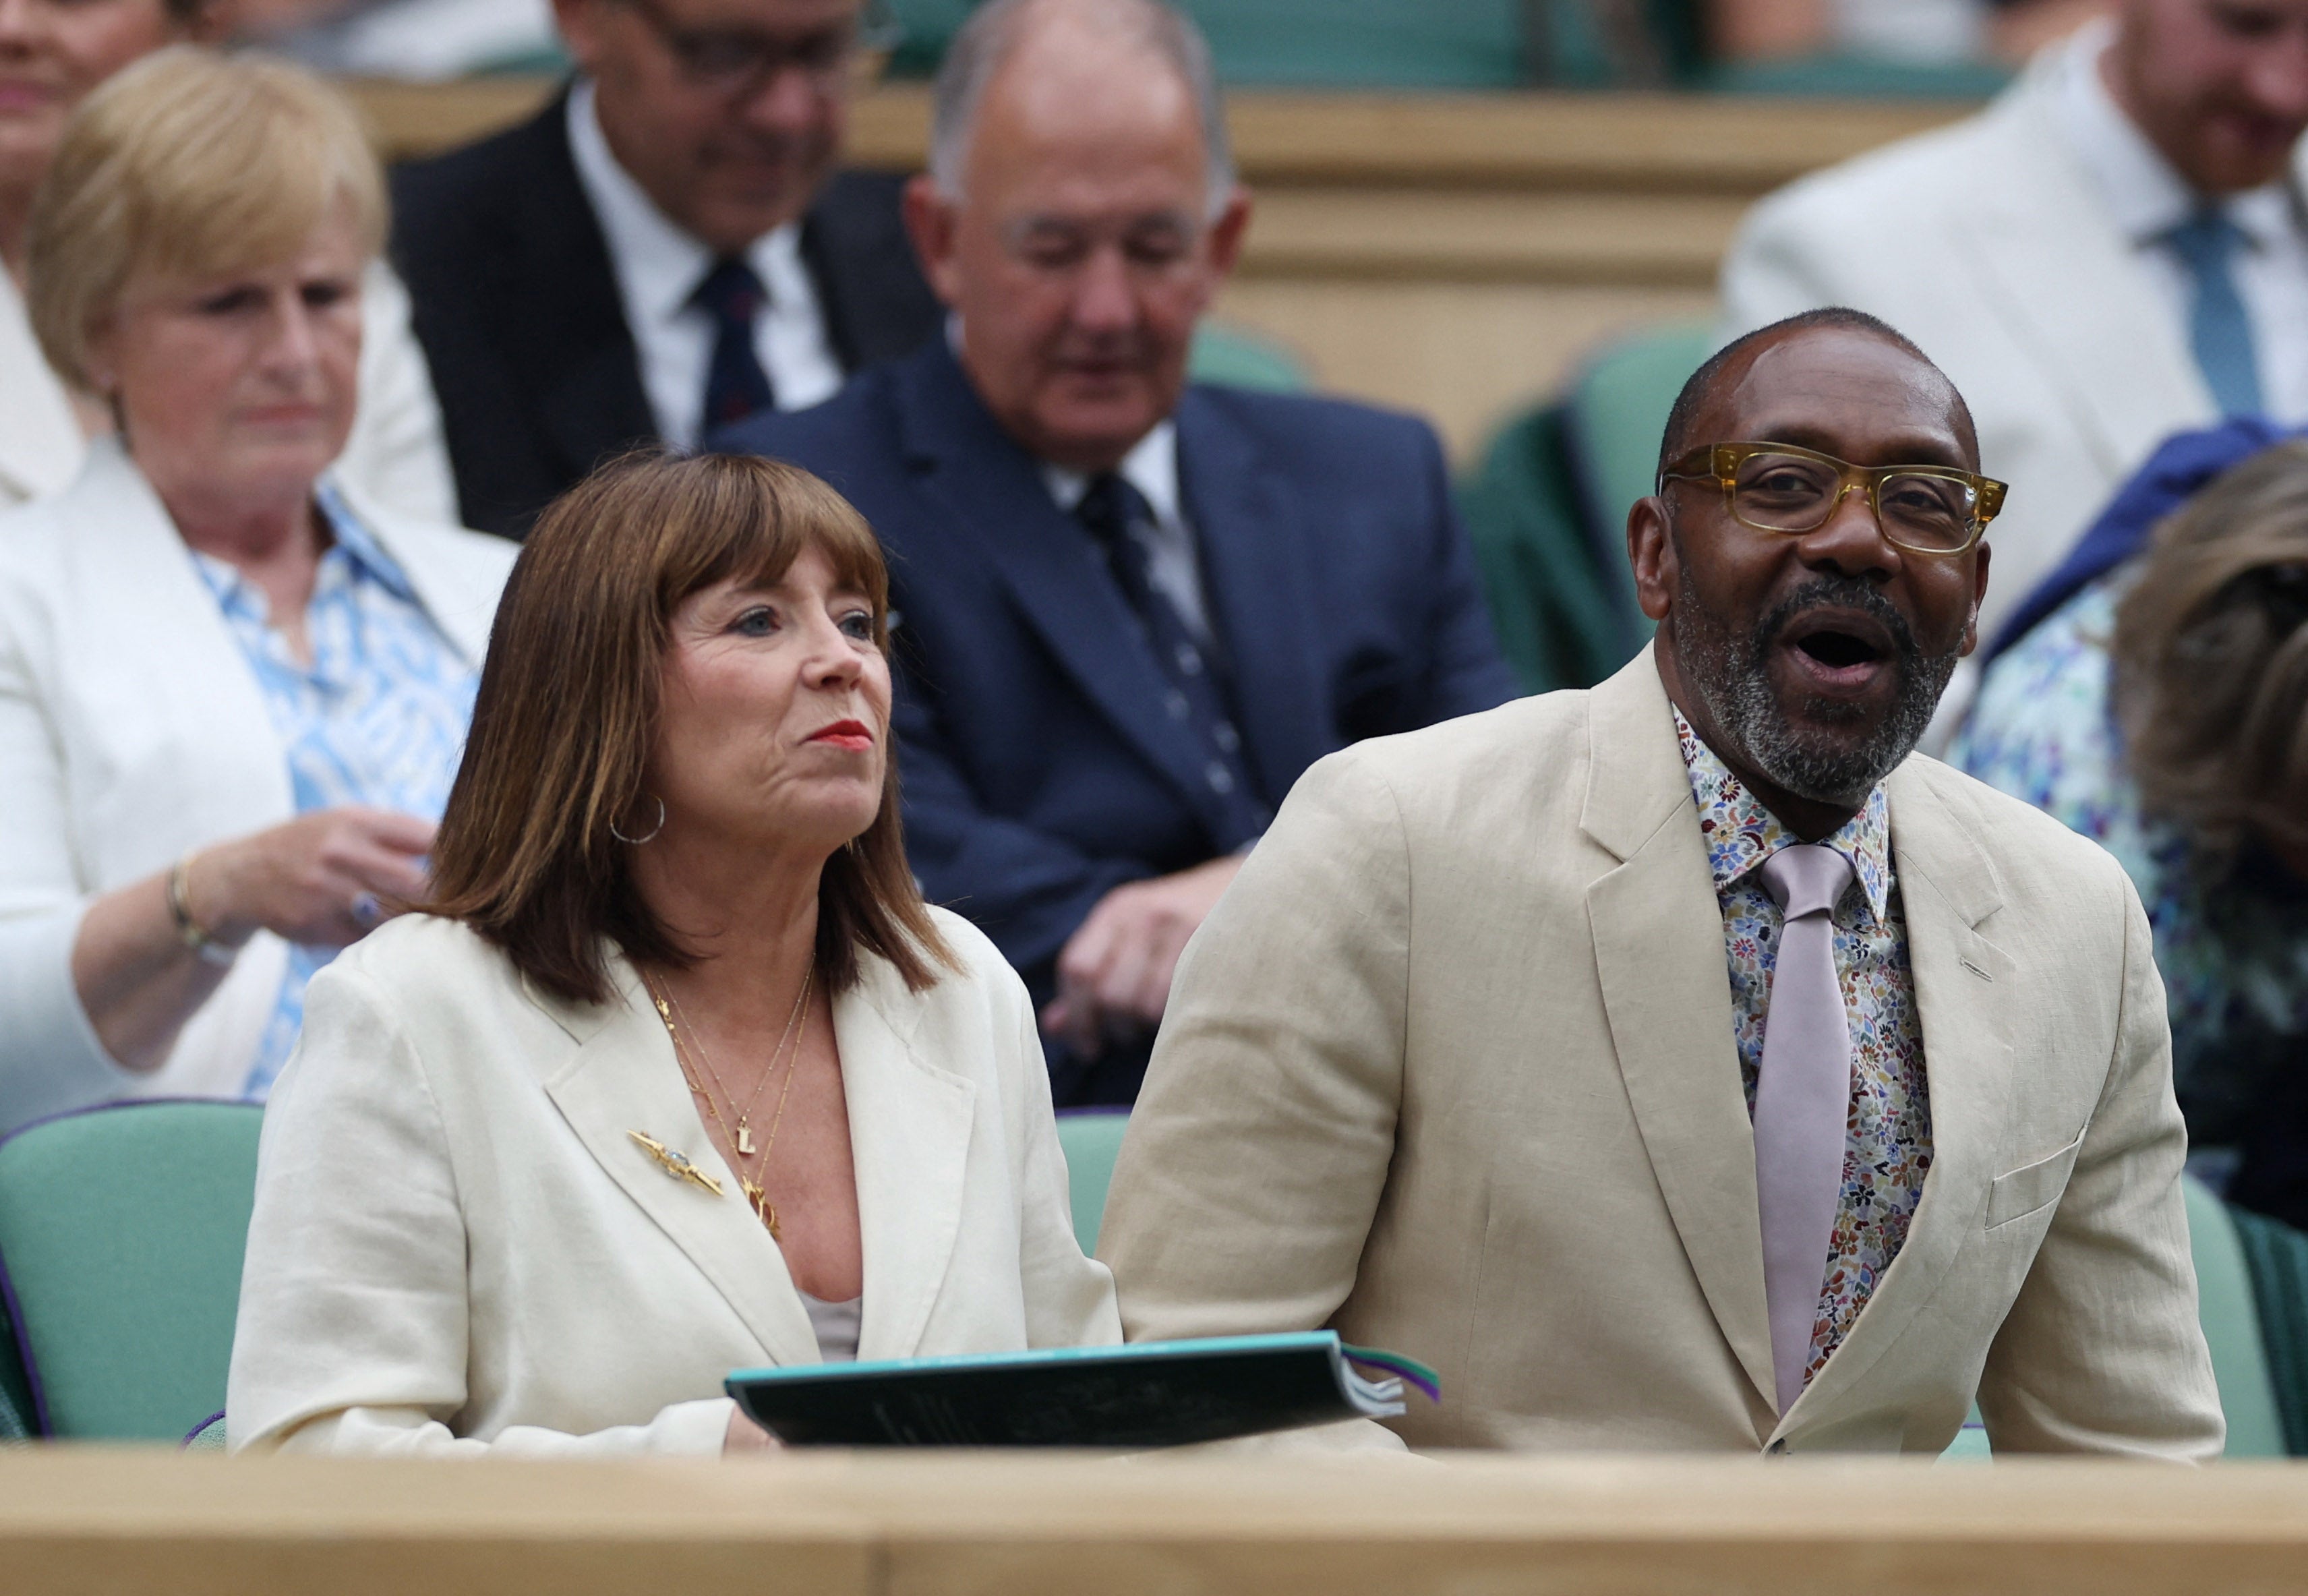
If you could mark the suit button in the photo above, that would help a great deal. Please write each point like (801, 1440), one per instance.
(1221, 779)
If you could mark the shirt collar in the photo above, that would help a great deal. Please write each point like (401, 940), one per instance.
(2143, 192)
(657, 261)
(1742, 832)
(353, 555)
(1152, 466)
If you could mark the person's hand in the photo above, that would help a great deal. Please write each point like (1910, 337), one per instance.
(745, 1436)
(323, 879)
(1114, 973)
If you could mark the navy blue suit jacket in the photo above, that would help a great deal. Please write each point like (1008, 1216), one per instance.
(1040, 770)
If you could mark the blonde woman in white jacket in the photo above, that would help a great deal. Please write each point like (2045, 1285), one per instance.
(232, 692)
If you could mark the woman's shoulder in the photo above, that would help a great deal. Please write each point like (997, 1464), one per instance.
(417, 961)
(978, 990)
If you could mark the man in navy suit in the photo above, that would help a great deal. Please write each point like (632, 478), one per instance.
(1129, 612)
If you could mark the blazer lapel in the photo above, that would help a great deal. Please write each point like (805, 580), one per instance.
(621, 1077)
(570, 337)
(909, 1132)
(1667, 991)
(1248, 522)
(1964, 984)
(2072, 292)
(40, 445)
(991, 488)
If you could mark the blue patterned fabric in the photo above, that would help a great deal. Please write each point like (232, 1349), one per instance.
(2231, 934)
(378, 717)
(2182, 464)
(1888, 1151)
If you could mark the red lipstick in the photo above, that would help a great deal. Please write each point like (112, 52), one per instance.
(851, 734)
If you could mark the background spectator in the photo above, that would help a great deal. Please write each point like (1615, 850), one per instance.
(52, 53)
(1135, 611)
(2162, 708)
(664, 249)
(2111, 251)
(232, 691)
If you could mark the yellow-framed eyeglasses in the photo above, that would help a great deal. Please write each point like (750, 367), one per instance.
(1781, 487)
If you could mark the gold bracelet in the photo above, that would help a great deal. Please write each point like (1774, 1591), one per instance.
(189, 931)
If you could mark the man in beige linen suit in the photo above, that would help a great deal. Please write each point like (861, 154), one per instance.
(1474, 1058)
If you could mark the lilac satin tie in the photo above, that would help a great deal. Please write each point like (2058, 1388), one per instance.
(1802, 1103)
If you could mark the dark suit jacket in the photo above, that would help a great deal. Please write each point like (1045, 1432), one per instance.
(517, 306)
(1039, 768)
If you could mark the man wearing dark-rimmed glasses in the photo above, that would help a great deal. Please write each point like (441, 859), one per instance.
(667, 248)
(1684, 1065)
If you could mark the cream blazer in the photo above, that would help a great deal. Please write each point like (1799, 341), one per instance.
(2023, 289)
(395, 459)
(131, 731)
(1450, 1068)
(459, 1249)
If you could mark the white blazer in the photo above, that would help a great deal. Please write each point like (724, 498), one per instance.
(2020, 284)
(459, 1247)
(395, 456)
(131, 731)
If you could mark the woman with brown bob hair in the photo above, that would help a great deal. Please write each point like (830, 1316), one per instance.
(674, 1072)
(2162, 708)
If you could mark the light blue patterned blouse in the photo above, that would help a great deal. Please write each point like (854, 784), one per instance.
(378, 717)
(2231, 935)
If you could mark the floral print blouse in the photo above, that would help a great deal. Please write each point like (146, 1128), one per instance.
(1888, 1149)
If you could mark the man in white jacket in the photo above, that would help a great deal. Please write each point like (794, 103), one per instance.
(2113, 250)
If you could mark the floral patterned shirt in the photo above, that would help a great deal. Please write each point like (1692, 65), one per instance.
(2231, 934)
(1888, 1149)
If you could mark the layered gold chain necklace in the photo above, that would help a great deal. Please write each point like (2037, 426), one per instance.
(691, 1052)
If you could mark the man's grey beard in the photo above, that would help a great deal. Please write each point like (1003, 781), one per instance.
(1731, 676)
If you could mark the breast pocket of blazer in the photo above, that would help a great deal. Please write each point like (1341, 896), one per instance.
(2031, 1187)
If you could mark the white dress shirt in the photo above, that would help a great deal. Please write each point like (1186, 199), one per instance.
(2149, 199)
(658, 268)
(1173, 567)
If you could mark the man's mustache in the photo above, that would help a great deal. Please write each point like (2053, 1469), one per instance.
(1844, 592)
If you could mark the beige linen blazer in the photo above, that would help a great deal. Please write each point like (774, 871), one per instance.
(2020, 286)
(133, 731)
(1450, 1068)
(459, 1249)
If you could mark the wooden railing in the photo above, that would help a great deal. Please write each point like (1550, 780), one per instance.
(925, 1524)
(1449, 254)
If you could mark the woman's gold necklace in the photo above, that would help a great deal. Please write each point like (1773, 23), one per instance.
(741, 1138)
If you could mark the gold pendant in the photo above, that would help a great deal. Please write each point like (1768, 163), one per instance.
(763, 1208)
(676, 1164)
(745, 1138)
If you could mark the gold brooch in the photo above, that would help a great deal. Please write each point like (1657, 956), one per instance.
(676, 1164)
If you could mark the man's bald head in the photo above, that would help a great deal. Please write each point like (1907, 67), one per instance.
(1728, 364)
(997, 31)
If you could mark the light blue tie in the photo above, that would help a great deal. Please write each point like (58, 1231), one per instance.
(2219, 327)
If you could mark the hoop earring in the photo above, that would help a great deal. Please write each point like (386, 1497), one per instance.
(653, 831)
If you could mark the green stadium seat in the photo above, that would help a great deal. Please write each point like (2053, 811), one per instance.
(121, 1234)
(1091, 1140)
(1242, 358)
(1407, 44)
(1547, 509)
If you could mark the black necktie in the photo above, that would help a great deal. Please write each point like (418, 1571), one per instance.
(736, 385)
(1194, 697)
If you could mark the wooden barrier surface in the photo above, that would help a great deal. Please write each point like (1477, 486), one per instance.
(88, 1521)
